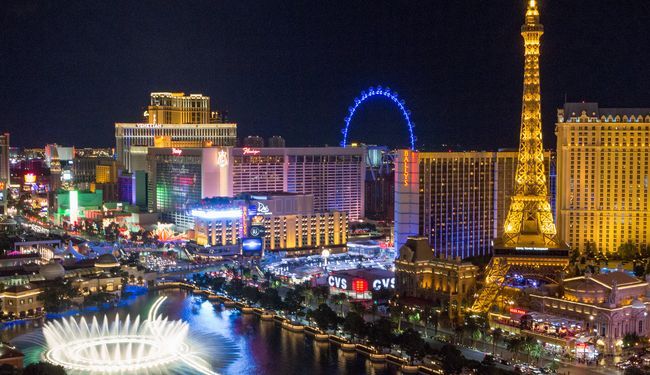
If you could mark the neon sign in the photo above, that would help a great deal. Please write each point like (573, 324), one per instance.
(406, 168)
(151, 126)
(359, 285)
(517, 311)
(244, 222)
(177, 151)
(222, 158)
(250, 151)
(337, 282)
(385, 283)
(263, 209)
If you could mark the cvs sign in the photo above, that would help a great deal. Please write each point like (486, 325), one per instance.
(337, 282)
(386, 283)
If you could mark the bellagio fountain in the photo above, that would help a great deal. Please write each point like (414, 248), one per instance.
(122, 346)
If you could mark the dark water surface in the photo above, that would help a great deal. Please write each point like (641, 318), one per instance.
(233, 343)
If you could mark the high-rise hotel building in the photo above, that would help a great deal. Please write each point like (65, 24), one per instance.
(181, 177)
(602, 165)
(172, 120)
(334, 175)
(462, 200)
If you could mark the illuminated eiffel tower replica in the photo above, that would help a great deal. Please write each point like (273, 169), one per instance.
(529, 245)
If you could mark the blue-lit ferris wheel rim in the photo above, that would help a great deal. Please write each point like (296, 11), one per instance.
(387, 93)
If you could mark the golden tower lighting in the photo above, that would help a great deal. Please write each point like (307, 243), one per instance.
(530, 221)
(529, 243)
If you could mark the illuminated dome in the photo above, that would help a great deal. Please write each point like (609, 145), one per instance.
(107, 261)
(52, 271)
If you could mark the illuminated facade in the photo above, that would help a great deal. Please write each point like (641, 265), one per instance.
(463, 198)
(177, 182)
(134, 140)
(21, 300)
(281, 222)
(609, 306)
(529, 242)
(425, 279)
(334, 176)
(172, 120)
(178, 108)
(72, 205)
(603, 175)
(380, 183)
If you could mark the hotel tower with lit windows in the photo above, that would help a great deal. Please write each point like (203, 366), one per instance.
(172, 120)
(463, 198)
(602, 182)
(180, 177)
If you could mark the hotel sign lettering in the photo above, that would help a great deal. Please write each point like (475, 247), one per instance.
(250, 151)
(406, 168)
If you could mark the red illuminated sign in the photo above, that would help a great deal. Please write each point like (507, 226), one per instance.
(517, 311)
(250, 151)
(177, 151)
(359, 285)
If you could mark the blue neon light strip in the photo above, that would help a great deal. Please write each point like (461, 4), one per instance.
(387, 94)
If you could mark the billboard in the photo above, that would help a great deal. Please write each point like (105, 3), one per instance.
(251, 245)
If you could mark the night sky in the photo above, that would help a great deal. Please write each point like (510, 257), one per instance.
(70, 69)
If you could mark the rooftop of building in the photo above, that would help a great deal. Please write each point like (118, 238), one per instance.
(14, 255)
(416, 249)
(365, 273)
(585, 111)
(176, 95)
(139, 125)
(19, 289)
(602, 282)
(254, 194)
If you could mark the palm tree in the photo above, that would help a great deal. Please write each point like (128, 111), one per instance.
(514, 345)
(459, 331)
(476, 336)
(339, 299)
(428, 315)
(399, 314)
(435, 320)
(321, 293)
(497, 334)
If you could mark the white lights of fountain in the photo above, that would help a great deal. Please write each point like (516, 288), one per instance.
(121, 346)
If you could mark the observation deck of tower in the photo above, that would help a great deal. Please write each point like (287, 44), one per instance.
(529, 243)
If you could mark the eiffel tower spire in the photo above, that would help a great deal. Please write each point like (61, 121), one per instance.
(530, 221)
